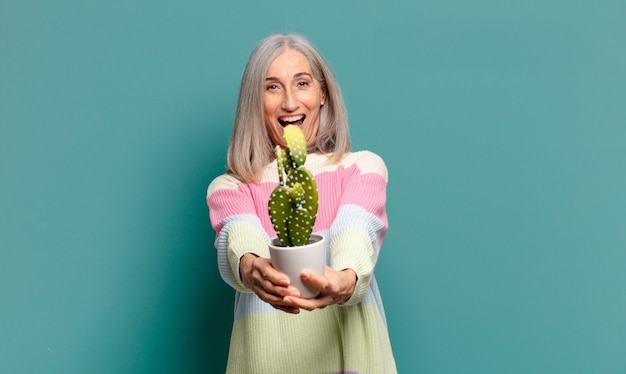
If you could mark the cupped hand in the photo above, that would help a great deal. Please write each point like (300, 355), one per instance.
(272, 286)
(335, 287)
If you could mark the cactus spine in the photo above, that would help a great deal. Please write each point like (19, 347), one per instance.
(293, 203)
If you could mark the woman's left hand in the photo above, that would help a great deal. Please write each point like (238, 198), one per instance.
(335, 287)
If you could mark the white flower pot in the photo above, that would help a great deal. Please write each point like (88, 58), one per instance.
(292, 260)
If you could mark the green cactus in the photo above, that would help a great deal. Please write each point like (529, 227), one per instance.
(293, 203)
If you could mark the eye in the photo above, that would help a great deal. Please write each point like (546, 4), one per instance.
(303, 84)
(271, 87)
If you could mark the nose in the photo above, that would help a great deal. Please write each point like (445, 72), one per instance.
(290, 101)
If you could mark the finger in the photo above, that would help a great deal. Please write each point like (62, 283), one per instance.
(314, 279)
(307, 304)
(270, 273)
(272, 293)
(286, 308)
(265, 276)
(280, 292)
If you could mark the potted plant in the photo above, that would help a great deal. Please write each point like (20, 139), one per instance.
(292, 208)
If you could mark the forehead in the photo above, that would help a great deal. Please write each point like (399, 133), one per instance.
(289, 63)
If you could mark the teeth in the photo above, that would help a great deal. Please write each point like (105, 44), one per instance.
(292, 118)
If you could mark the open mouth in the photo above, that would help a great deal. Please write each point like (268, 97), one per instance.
(292, 120)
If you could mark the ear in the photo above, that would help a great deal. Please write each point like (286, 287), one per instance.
(323, 101)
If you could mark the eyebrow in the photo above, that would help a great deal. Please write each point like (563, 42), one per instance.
(297, 75)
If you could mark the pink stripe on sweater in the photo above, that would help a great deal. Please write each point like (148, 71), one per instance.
(364, 190)
(225, 203)
(341, 186)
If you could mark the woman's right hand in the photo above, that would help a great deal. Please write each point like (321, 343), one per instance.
(269, 284)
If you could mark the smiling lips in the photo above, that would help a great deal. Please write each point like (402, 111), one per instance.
(292, 120)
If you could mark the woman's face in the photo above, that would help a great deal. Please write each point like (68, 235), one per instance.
(292, 96)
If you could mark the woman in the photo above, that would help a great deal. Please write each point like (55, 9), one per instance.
(286, 81)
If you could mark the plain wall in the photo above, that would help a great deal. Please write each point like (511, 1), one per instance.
(503, 125)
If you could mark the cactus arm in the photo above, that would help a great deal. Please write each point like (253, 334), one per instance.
(300, 224)
(280, 160)
(305, 178)
(294, 137)
(279, 207)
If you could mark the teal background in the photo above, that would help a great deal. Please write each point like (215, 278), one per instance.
(503, 125)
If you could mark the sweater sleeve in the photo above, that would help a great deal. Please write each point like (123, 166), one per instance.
(361, 222)
(238, 228)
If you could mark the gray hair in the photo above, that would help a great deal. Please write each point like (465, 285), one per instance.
(251, 147)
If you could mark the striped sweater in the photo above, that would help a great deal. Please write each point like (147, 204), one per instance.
(347, 338)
